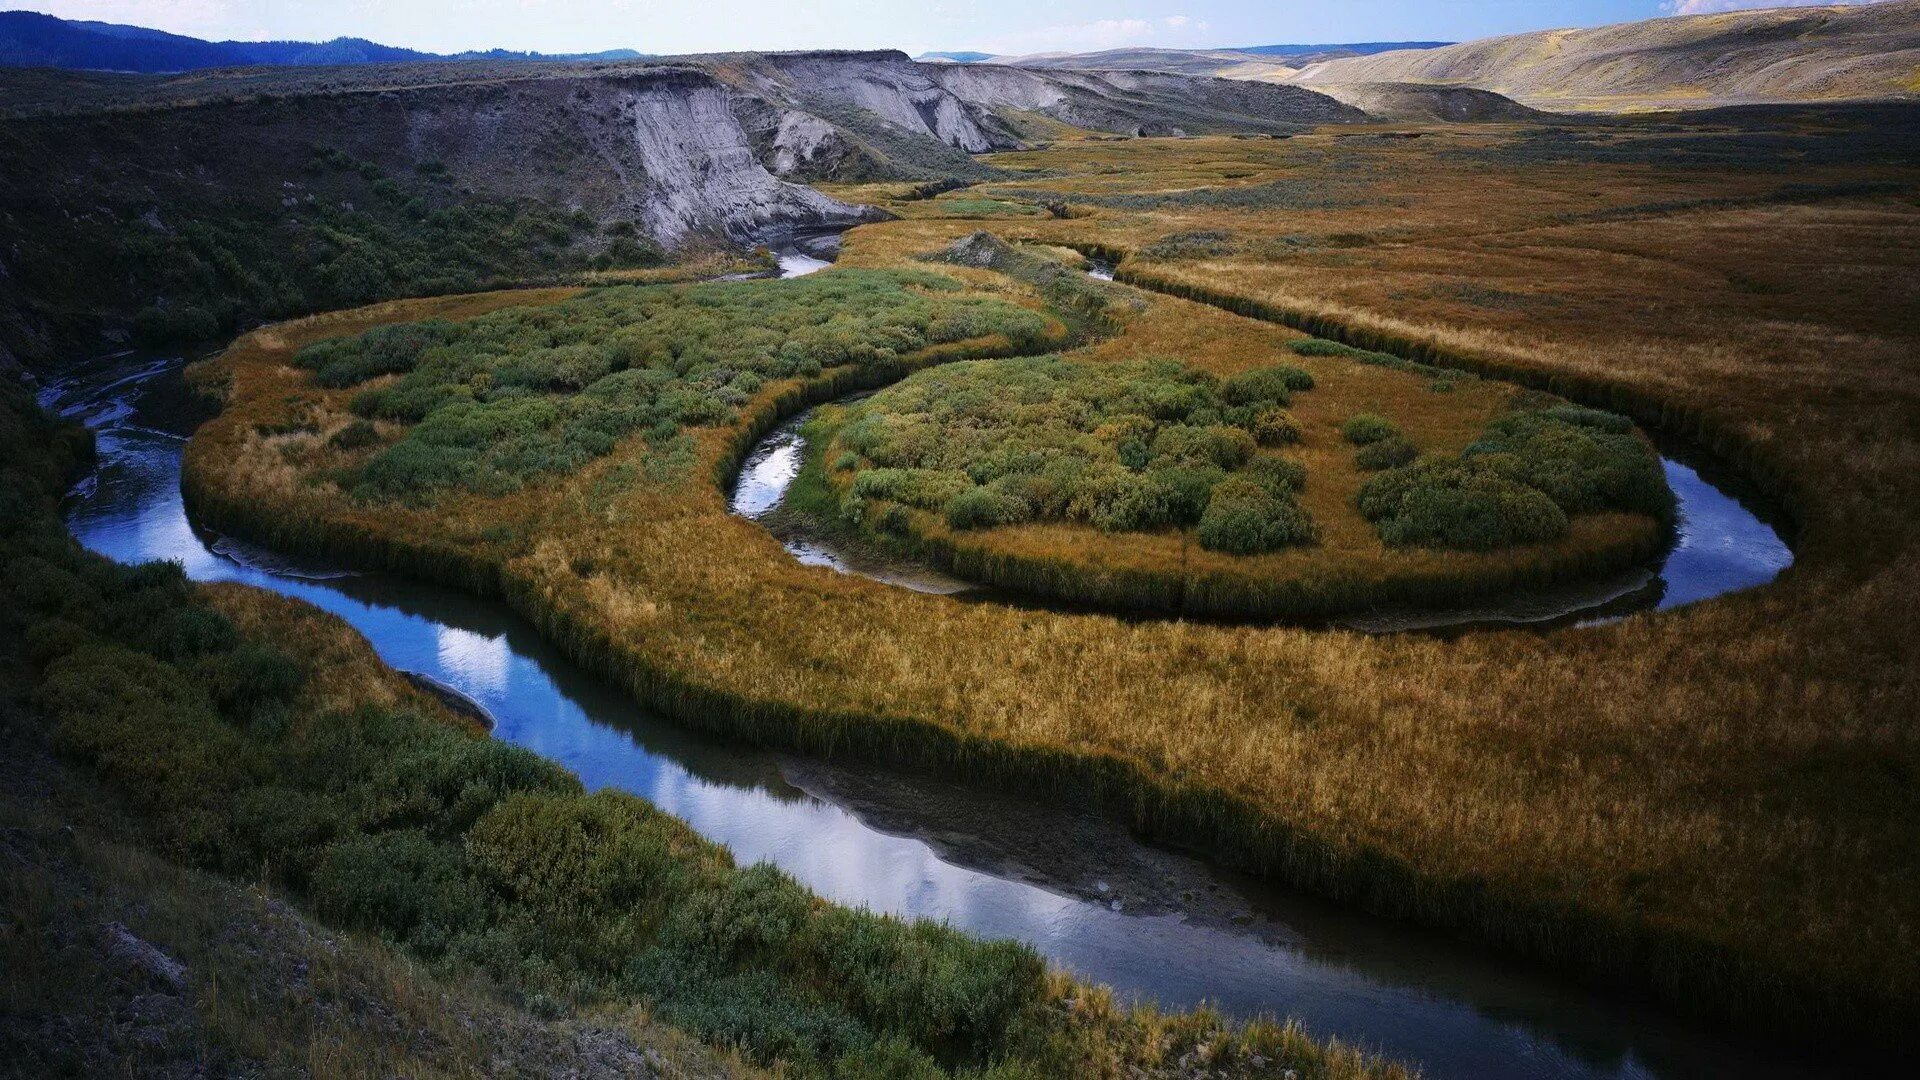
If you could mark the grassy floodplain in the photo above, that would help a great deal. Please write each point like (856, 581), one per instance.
(1714, 805)
(506, 917)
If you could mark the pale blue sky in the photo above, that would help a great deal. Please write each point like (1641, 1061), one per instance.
(1016, 26)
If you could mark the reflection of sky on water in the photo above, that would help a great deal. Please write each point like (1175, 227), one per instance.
(1412, 995)
(1722, 545)
(478, 663)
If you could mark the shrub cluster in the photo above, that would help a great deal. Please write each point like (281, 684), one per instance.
(1367, 428)
(1129, 446)
(1444, 378)
(480, 857)
(1381, 443)
(468, 851)
(513, 395)
(226, 265)
(1520, 482)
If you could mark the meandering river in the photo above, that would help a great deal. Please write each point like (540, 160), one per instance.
(1151, 922)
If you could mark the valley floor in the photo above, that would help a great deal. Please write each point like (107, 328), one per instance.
(1714, 806)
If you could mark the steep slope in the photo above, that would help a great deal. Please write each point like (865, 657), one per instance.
(194, 221)
(1778, 55)
(191, 205)
(857, 115)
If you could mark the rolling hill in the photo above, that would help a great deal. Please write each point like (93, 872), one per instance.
(1251, 62)
(1779, 55)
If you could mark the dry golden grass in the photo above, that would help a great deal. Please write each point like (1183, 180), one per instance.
(1716, 804)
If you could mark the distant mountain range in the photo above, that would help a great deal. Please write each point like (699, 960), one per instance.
(30, 39)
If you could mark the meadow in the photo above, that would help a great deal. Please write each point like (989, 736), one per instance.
(1712, 805)
(243, 735)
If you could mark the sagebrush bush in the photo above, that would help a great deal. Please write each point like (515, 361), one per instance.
(1456, 504)
(504, 399)
(1244, 517)
(1388, 453)
(1275, 427)
(1583, 459)
(1123, 447)
(1367, 428)
(1519, 482)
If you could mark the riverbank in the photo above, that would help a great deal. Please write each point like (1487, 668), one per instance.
(768, 623)
(246, 730)
(1722, 545)
(1151, 923)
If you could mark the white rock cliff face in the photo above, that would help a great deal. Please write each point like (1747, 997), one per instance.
(701, 174)
(800, 140)
(899, 92)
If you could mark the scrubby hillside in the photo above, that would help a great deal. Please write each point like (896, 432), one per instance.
(1776, 55)
(187, 207)
(190, 222)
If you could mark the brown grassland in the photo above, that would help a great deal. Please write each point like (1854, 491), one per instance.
(1715, 805)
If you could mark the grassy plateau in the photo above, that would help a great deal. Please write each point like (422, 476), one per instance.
(1715, 806)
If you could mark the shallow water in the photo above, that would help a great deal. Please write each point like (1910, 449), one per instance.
(1059, 875)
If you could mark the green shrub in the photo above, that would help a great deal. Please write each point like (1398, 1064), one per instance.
(984, 508)
(513, 396)
(928, 489)
(355, 436)
(251, 677)
(1389, 453)
(403, 885)
(1275, 427)
(1265, 386)
(1277, 474)
(1368, 428)
(1457, 504)
(1122, 447)
(1245, 518)
(1583, 459)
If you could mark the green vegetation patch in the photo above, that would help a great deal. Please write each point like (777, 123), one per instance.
(501, 400)
(1123, 447)
(482, 859)
(1519, 483)
(1444, 378)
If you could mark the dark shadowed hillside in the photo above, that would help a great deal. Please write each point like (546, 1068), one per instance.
(187, 206)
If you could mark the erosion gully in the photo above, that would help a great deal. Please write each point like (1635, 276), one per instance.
(1153, 923)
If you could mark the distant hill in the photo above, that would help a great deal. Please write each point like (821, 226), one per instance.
(1779, 55)
(1359, 48)
(954, 57)
(1266, 62)
(30, 39)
